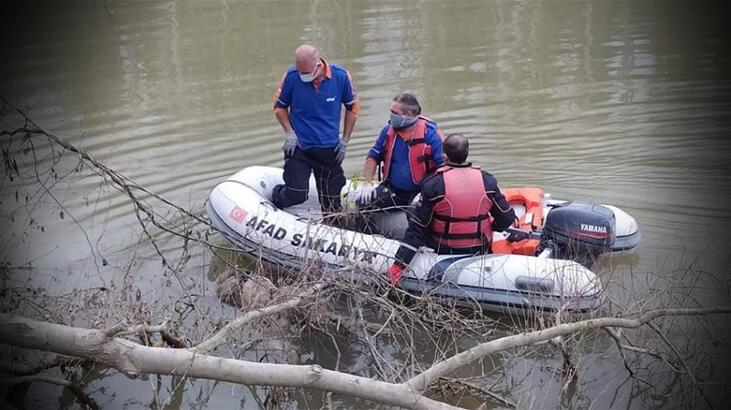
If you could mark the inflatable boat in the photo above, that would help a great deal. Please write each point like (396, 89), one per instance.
(542, 266)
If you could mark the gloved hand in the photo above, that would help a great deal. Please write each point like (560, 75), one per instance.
(394, 274)
(290, 143)
(515, 235)
(340, 151)
(367, 193)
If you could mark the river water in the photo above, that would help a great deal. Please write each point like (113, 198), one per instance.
(618, 102)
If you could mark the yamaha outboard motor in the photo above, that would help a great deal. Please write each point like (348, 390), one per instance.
(579, 231)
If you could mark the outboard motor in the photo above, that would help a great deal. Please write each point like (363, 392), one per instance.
(579, 231)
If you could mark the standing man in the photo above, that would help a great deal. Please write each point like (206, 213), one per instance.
(460, 208)
(308, 106)
(409, 148)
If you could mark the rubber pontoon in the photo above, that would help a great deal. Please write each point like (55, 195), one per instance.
(512, 278)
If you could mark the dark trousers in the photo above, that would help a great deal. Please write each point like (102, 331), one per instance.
(386, 198)
(328, 177)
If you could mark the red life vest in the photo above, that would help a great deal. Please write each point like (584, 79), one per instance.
(461, 219)
(421, 160)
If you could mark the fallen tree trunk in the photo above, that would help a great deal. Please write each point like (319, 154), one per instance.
(134, 359)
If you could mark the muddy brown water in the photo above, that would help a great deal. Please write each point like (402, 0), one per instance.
(617, 102)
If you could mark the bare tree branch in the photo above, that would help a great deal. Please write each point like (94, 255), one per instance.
(119, 330)
(220, 337)
(135, 359)
(682, 362)
(621, 348)
(478, 389)
(422, 381)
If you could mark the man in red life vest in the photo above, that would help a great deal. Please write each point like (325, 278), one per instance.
(308, 104)
(461, 205)
(409, 148)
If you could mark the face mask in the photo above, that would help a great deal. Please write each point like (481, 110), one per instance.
(309, 77)
(399, 121)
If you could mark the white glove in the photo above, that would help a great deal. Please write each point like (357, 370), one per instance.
(367, 193)
(357, 193)
(290, 143)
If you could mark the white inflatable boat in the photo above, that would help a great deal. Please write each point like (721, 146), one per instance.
(534, 268)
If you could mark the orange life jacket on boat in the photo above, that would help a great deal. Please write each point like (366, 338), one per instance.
(421, 160)
(531, 199)
(461, 218)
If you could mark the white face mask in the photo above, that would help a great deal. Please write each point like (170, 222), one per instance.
(309, 77)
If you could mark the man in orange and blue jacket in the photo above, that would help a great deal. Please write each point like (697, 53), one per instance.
(308, 106)
(409, 147)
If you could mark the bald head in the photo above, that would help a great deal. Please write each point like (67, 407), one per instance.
(456, 148)
(306, 58)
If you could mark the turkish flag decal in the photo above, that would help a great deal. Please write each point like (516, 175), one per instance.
(238, 214)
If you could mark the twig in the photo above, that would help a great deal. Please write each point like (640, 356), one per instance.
(143, 328)
(114, 329)
(617, 335)
(119, 329)
(426, 378)
(119, 181)
(220, 337)
(621, 347)
(377, 358)
(682, 362)
(480, 390)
